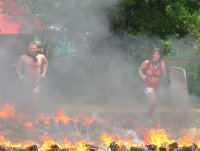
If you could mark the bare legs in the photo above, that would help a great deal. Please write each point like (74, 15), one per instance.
(151, 97)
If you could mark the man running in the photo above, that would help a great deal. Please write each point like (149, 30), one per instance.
(31, 68)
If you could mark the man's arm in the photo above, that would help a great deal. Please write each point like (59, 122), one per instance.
(45, 67)
(19, 67)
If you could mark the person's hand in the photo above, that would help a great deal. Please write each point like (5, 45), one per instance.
(144, 77)
(154, 79)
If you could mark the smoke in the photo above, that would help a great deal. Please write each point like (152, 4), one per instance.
(98, 70)
(94, 74)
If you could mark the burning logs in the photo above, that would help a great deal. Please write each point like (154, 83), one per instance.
(56, 148)
(162, 148)
(171, 147)
(91, 148)
(137, 149)
(151, 147)
(112, 147)
(32, 148)
(4, 148)
(188, 148)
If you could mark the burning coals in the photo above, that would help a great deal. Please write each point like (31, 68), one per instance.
(112, 147)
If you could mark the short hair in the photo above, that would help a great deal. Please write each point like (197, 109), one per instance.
(32, 43)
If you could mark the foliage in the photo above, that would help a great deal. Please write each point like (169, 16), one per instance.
(158, 17)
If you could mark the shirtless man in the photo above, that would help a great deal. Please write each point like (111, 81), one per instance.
(31, 68)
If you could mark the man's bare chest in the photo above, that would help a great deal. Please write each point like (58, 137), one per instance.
(32, 63)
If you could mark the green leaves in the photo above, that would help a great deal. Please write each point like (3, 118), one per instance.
(158, 17)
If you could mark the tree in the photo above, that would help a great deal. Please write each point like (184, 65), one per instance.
(157, 17)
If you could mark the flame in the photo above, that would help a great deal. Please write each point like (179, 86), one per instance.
(106, 138)
(22, 144)
(2, 138)
(189, 136)
(86, 119)
(47, 142)
(158, 137)
(8, 111)
(185, 141)
(61, 116)
(44, 118)
(28, 124)
(79, 146)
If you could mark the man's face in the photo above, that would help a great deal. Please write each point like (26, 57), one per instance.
(32, 49)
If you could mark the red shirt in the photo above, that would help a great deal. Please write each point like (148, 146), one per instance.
(152, 72)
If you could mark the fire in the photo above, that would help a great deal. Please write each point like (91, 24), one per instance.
(158, 137)
(28, 124)
(60, 116)
(106, 138)
(185, 141)
(44, 118)
(74, 132)
(7, 143)
(79, 146)
(8, 111)
(2, 138)
(47, 142)
(86, 119)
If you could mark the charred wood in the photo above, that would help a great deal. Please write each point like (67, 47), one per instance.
(114, 146)
(32, 148)
(173, 146)
(124, 148)
(194, 147)
(137, 149)
(162, 148)
(151, 147)
(55, 147)
(91, 147)
(5, 148)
